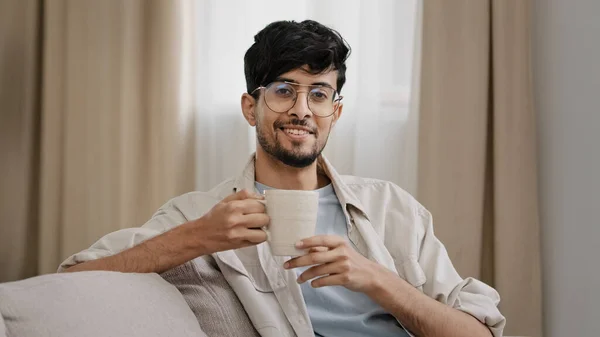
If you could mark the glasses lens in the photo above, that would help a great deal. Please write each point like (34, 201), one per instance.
(322, 101)
(280, 97)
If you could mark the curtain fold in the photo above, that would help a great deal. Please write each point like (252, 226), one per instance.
(477, 150)
(20, 43)
(116, 123)
(116, 126)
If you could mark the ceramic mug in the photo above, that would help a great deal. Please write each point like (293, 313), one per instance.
(293, 215)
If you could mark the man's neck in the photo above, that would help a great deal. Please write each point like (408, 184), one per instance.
(273, 173)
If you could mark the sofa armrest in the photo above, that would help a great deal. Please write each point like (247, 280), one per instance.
(96, 303)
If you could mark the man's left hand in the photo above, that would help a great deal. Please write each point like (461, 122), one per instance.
(335, 263)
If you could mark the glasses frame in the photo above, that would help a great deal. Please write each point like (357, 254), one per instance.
(337, 100)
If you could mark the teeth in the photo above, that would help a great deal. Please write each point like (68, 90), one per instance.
(296, 132)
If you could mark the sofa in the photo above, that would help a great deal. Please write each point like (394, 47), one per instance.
(191, 300)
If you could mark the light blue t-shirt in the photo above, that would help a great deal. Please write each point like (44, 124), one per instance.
(336, 311)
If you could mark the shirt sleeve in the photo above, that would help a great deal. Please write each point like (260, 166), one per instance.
(167, 217)
(444, 284)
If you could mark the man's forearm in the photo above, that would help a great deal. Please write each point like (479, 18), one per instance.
(421, 314)
(156, 255)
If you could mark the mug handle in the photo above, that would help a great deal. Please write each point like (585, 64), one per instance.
(264, 228)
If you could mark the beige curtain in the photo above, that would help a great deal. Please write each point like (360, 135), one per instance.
(109, 130)
(477, 153)
(19, 137)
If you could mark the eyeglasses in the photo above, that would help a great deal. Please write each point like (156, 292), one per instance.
(322, 100)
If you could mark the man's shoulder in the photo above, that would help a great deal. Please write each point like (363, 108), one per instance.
(378, 185)
(370, 189)
(220, 191)
(194, 204)
(351, 180)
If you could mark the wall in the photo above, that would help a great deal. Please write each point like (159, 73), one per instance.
(566, 63)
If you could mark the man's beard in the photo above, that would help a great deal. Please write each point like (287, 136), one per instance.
(294, 157)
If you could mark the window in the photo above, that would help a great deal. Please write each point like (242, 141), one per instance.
(375, 135)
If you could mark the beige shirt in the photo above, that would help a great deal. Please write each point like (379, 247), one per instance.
(385, 223)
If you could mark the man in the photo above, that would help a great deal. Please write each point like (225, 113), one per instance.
(374, 268)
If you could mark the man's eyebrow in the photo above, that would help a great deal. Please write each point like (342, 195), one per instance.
(284, 79)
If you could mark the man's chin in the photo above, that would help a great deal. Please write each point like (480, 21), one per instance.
(296, 159)
(304, 145)
(295, 155)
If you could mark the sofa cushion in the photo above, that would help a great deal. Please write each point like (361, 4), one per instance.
(2, 327)
(95, 303)
(216, 306)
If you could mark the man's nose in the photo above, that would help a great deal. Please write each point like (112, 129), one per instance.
(300, 108)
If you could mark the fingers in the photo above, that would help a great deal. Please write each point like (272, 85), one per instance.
(245, 244)
(310, 259)
(247, 206)
(255, 220)
(254, 236)
(329, 241)
(242, 195)
(330, 280)
(318, 249)
(324, 269)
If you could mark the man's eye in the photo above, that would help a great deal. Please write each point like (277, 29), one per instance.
(283, 91)
(318, 95)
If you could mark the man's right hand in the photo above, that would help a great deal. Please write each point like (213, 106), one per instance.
(235, 222)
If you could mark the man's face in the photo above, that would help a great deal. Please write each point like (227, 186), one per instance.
(296, 137)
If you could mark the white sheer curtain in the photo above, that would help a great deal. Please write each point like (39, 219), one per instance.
(376, 136)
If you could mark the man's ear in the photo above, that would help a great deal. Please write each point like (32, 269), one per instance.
(337, 114)
(249, 108)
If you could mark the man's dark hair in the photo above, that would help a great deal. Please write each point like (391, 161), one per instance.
(283, 46)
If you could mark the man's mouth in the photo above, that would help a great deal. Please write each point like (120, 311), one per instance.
(296, 130)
